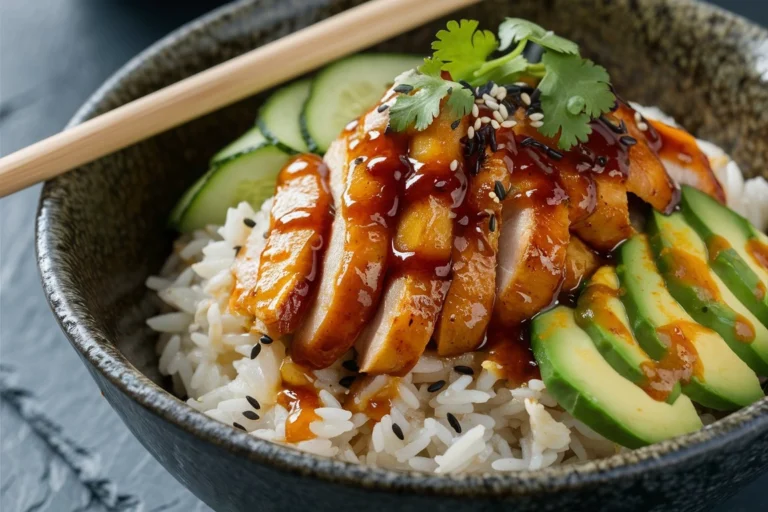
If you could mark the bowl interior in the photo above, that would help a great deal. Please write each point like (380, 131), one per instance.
(102, 228)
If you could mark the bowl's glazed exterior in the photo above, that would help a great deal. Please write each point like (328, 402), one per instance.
(101, 232)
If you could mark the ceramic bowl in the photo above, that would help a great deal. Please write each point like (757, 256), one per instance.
(101, 231)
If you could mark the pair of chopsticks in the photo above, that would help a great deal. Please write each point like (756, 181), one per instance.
(231, 81)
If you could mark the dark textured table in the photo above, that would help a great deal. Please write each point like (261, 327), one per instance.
(62, 448)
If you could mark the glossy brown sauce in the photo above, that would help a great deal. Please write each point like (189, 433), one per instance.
(759, 252)
(593, 306)
(301, 403)
(510, 351)
(680, 363)
(692, 271)
(376, 406)
(715, 245)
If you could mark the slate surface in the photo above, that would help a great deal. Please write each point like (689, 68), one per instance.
(62, 448)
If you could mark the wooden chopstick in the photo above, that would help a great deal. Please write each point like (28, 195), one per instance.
(226, 83)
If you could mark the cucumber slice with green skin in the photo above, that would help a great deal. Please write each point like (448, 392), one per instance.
(682, 261)
(244, 177)
(248, 141)
(279, 117)
(346, 89)
(601, 314)
(726, 234)
(725, 382)
(586, 386)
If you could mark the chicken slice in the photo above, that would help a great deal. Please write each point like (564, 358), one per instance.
(393, 342)
(288, 265)
(532, 246)
(469, 303)
(609, 223)
(363, 167)
(580, 263)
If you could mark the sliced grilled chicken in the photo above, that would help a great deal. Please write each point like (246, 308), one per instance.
(288, 266)
(363, 165)
(405, 321)
(609, 223)
(580, 263)
(685, 162)
(532, 247)
(647, 178)
(469, 303)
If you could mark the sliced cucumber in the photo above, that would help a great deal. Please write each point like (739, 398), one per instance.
(279, 117)
(245, 177)
(344, 90)
(248, 141)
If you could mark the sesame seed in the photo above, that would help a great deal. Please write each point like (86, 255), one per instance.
(351, 365)
(436, 386)
(638, 117)
(497, 116)
(494, 90)
(503, 111)
(254, 403)
(265, 339)
(237, 425)
(509, 123)
(249, 222)
(382, 107)
(398, 431)
(526, 98)
(628, 141)
(602, 161)
(487, 98)
(454, 165)
(255, 351)
(358, 160)
(537, 124)
(251, 415)
(495, 124)
(538, 116)
(347, 381)
(485, 119)
(454, 422)
(475, 110)
(492, 195)
(471, 133)
(492, 104)
(478, 123)
(643, 127)
(455, 124)
(464, 370)
(480, 101)
(498, 189)
(237, 249)
(404, 88)
(491, 226)
(501, 94)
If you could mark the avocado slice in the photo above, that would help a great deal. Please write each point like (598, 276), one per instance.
(601, 314)
(712, 374)
(586, 386)
(681, 258)
(727, 235)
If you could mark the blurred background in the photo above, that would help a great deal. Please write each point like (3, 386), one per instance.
(62, 448)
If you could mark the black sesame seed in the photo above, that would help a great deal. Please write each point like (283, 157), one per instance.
(492, 141)
(249, 222)
(406, 162)
(491, 228)
(398, 431)
(464, 370)
(382, 107)
(628, 141)
(351, 365)
(498, 188)
(404, 88)
(512, 89)
(265, 339)
(358, 160)
(347, 381)
(251, 415)
(237, 425)
(237, 249)
(254, 403)
(255, 351)
(436, 386)
(455, 124)
(466, 85)
(535, 95)
(554, 155)
(602, 161)
(705, 309)
(454, 423)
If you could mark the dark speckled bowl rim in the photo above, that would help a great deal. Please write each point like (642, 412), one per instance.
(110, 362)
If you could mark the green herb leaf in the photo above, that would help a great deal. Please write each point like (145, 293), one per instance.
(462, 48)
(505, 73)
(422, 106)
(431, 67)
(569, 84)
(513, 30)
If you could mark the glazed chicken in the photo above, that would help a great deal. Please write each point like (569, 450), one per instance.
(442, 236)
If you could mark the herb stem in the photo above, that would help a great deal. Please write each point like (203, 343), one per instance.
(495, 63)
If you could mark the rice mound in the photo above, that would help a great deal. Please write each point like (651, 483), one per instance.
(206, 348)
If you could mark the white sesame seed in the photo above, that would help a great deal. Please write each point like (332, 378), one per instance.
(492, 104)
(471, 133)
(488, 97)
(492, 195)
(643, 127)
(477, 91)
(521, 84)
(454, 165)
(478, 123)
(479, 101)
(497, 116)
(526, 98)
(503, 111)
(475, 110)
(501, 94)
(509, 123)
(538, 116)
(485, 119)
(494, 90)
(495, 124)
(638, 118)
(537, 124)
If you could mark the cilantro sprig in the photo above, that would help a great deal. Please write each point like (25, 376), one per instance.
(573, 90)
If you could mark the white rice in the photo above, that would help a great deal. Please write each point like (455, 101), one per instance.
(206, 348)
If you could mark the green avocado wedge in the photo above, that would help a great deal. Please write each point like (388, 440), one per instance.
(681, 258)
(717, 377)
(726, 235)
(601, 314)
(586, 386)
